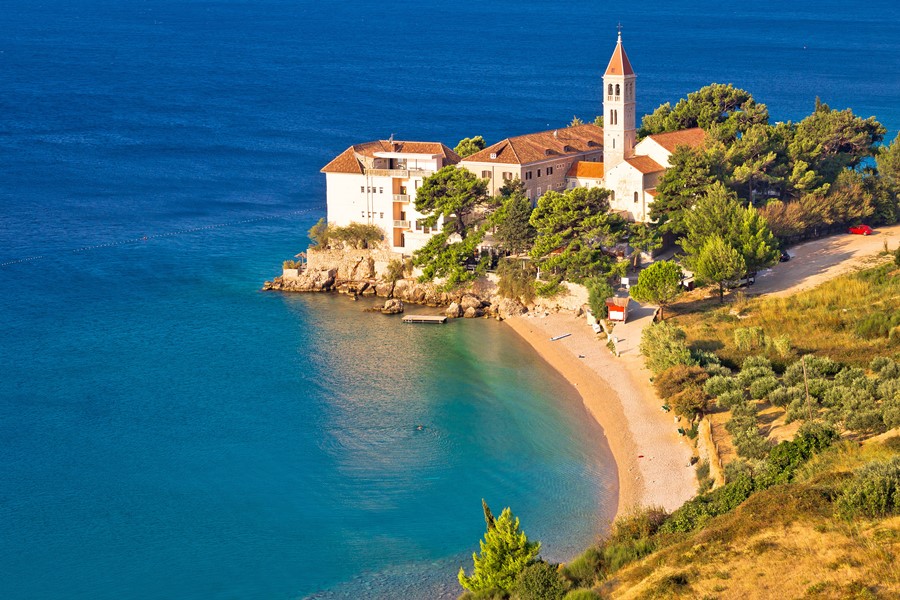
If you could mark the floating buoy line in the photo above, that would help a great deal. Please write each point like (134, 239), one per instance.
(146, 238)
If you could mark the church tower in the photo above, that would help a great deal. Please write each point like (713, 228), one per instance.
(618, 109)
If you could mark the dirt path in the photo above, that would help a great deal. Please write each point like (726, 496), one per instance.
(820, 260)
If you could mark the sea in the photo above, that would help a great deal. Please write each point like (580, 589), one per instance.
(167, 430)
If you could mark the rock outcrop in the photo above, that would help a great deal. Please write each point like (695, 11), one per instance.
(359, 273)
(454, 311)
(392, 306)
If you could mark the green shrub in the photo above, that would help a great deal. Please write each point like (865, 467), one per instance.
(749, 338)
(877, 324)
(750, 374)
(664, 346)
(550, 289)
(640, 524)
(706, 359)
(582, 594)
(890, 413)
(585, 569)
(729, 400)
(752, 362)
(782, 345)
(319, 233)
(761, 387)
(516, 280)
(816, 367)
(696, 512)
(873, 492)
(676, 379)
(719, 384)
(598, 291)
(783, 396)
(885, 368)
(720, 370)
(690, 403)
(541, 581)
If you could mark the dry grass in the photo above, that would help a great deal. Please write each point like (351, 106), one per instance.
(784, 542)
(823, 320)
(780, 544)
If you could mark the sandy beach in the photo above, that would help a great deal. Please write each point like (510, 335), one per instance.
(653, 461)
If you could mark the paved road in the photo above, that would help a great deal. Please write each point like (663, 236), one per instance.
(820, 260)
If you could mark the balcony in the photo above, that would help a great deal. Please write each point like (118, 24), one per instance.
(402, 173)
(401, 197)
(401, 224)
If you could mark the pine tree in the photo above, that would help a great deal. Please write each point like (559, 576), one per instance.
(505, 552)
(660, 283)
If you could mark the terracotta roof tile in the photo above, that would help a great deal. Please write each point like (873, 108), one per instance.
(586, 169)
(619, 63)
(693, 137)
(645, 164)
(544, 145)
(651, 192)
(349, 161)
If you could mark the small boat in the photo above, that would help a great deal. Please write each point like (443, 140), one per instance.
(559, 337)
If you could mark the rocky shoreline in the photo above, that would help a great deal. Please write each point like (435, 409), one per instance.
(360, 273)
(464, 303)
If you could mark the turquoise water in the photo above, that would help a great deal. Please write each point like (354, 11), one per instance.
(167, 430)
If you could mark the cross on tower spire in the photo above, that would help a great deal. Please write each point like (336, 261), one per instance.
(619, 27)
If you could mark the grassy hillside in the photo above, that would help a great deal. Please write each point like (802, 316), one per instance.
(788, 541)
(851, 319)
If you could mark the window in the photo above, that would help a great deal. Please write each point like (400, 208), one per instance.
(527, 175)
(380, 215)
(635, 197)
(609, 90)
(362, 214)
(614, 142)
(539, 192)
(549, 170)
(485, 174)
(612, 196)
(507, 176)
(381, 190)
(539, 172)
(617, 89)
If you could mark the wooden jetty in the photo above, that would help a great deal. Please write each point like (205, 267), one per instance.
(424, 319)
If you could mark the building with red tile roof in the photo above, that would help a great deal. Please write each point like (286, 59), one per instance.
(376, 182)
(540, 160)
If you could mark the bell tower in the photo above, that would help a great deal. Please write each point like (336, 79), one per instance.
(619, 133)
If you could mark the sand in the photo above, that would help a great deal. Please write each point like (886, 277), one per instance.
(652, 459)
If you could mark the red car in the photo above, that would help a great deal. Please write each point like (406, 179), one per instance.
(861, 230)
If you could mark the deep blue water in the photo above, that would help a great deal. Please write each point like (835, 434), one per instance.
(168, 431)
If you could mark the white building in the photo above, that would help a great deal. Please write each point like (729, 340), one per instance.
(376, 182)
(630, 169)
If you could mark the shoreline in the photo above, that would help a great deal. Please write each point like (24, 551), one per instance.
(652, 461)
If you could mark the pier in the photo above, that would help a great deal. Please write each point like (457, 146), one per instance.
(424, 319)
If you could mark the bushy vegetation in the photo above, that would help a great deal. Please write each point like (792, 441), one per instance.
(805, 176)
(516, 279)
(664, 345)
(824, 321)
(598, 291)
(354, 235)
(505, 553)
(874, 491)
(659, 284)
(572, 228)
